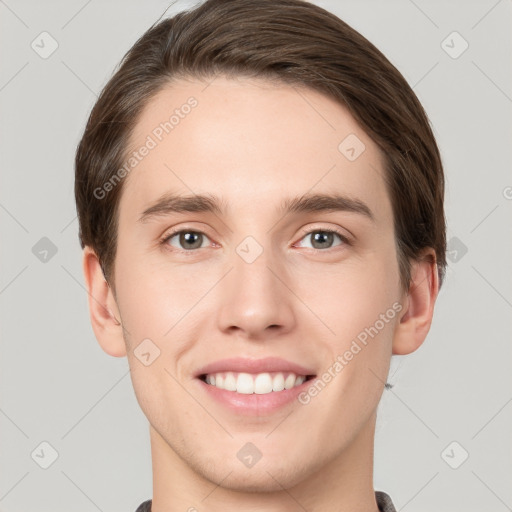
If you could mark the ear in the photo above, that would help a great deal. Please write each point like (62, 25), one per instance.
(418, 302)
(103, 310)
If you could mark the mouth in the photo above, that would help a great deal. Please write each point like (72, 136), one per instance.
(255, 383)
(254, 387)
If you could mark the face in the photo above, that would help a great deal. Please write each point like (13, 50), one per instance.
(315, 289)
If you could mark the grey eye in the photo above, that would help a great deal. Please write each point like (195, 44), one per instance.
(322, 239)
(188, 240)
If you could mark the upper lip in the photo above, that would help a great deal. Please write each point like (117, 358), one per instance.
(267, 364)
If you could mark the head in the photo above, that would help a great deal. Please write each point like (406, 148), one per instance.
(315, 202)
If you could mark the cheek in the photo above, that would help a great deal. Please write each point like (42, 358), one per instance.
(359, 304)
(351, 295)
(150, 298)
(154, 388)
(361, 308)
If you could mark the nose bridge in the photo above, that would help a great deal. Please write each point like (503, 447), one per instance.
(251, 267)
(254, 297)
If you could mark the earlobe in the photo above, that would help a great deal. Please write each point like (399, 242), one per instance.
(419, 302)
(103, 310)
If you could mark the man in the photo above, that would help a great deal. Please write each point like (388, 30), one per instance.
(260, 199)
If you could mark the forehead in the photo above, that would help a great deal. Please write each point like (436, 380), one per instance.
(252, 143)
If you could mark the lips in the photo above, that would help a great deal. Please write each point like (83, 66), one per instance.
(254, 366)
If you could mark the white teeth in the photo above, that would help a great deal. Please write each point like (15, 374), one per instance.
(245, 384)
(289, 382)
(278, 382)
(299, 380)
(230, 382)
(261, 383)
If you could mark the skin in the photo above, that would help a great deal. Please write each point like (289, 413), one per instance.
(255, 143)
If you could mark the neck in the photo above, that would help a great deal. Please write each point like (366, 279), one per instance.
(343, 482)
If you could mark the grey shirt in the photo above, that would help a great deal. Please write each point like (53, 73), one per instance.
(383, 502)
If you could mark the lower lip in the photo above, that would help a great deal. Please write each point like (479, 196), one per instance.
(254, 404)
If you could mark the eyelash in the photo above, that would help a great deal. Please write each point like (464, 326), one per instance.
(165, 239)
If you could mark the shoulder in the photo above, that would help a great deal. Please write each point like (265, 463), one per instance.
(384, 502)
(144, 507)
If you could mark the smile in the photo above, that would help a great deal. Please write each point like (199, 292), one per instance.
(260, 383)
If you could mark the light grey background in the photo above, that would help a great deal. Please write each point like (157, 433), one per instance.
(57, 386)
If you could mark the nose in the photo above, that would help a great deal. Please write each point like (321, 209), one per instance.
(255, 300)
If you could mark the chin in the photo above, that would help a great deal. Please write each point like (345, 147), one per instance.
(264, 477)
(257, 481)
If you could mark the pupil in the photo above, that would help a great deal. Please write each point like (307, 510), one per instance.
(322, 237)
(191, 239)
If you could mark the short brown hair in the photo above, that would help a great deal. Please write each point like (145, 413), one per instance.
(289, 41)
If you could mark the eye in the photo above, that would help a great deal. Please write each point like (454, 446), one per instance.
(186, 239)
(323, 238)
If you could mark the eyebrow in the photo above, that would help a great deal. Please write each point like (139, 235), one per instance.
(307, 203)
